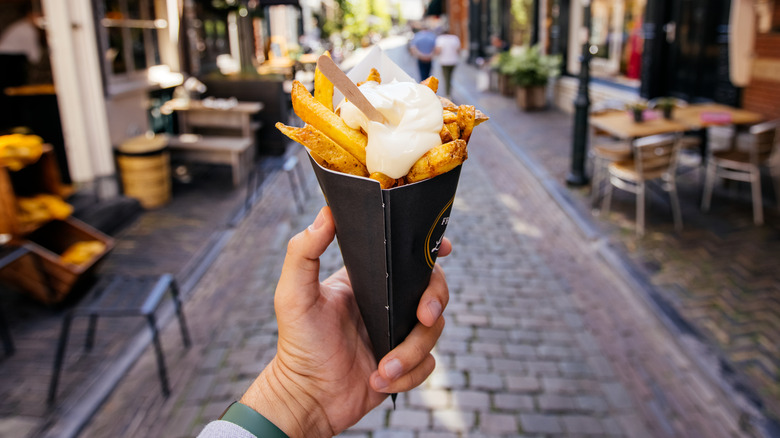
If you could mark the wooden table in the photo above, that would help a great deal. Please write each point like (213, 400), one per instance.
(622, 125)
(699, 116)
(236, 150)
(220, 114)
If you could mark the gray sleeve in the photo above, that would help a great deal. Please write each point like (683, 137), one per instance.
(224, 429)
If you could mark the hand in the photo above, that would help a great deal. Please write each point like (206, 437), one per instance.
(324, 377)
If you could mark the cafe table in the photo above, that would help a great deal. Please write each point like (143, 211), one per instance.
(215, 113)
(703, 115)
(621, 125)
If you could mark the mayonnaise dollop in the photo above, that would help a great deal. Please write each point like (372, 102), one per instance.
(414, 119)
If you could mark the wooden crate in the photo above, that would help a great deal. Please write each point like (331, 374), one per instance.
(43, 176)
(47, 243)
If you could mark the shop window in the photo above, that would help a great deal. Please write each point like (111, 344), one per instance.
(615, 41)
(129, 31)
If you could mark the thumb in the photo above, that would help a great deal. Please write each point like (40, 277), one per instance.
(299, 282)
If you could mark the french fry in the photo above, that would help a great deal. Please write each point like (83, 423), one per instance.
(466, 116)
(432, 82)
(373, 75)
(323, 88)
(448, 104)
(384, 181)
(449, 116)
(480, 117)
(438, 160)
(454, 130)
(326, 149)
(445, 134)
(317, 115)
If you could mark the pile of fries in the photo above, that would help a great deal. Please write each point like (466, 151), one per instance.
(336, 146)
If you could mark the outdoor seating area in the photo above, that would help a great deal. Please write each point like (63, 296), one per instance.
(745, 146)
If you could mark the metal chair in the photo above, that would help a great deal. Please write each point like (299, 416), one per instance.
(8, 256)
(605, 149)
(689, 141)
(290, 165)
(10, 253)
(655, 158)
(743, 163)
(123, 296)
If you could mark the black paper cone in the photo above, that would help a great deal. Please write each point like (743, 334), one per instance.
(389, 240)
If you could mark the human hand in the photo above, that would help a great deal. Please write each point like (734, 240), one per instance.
(324, 377)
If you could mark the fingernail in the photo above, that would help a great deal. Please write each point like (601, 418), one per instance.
(318, 221)
(393, 369)
(435, 308)
(380, 383)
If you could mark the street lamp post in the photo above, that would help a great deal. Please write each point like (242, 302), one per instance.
(577, 175)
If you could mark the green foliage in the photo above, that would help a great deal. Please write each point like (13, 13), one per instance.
(358, 19)
(527, 66)
(522, 12)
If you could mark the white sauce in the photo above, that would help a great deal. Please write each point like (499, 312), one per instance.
(414, 119)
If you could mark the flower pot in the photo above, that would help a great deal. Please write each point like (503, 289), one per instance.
(638, 115)
(505, 85)
(667, 112)
(494, 80)
(531, 98)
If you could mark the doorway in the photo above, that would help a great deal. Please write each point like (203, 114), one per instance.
(698, 63)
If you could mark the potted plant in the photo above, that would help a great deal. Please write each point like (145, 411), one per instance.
(666, 105)
(531, 70)
(502, 65)
(638, 110)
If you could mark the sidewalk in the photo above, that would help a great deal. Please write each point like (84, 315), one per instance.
(544, 336)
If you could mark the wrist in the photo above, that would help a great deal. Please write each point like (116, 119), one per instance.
(286, 404)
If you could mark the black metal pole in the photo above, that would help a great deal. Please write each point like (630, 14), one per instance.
(577, 175)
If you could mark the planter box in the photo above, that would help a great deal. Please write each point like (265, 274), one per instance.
(531, 98)
(58, 279)
(506, 85)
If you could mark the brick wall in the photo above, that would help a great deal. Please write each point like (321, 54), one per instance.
(763, 93)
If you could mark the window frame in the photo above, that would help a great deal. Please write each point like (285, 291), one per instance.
(151, 29)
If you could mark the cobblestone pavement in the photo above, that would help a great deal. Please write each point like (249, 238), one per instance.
(543, 338)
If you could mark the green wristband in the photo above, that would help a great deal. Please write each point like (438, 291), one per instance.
(251, 420)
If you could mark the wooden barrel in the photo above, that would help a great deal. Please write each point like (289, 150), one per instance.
(145, 170)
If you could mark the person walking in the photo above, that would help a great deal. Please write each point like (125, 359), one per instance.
(421, 47)
(447, 52)
(22, 37)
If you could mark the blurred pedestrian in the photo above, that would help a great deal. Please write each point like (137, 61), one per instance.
(448, 54)
(22, 37)
(422, 47)
(324, 377)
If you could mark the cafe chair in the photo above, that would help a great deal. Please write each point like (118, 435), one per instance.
(605, 149)
(743, 163)
(122, 296)
(691, 141)
(654, 159)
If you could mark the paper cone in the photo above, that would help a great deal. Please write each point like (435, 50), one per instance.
(389, 240)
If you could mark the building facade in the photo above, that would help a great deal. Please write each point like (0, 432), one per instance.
(699, 50)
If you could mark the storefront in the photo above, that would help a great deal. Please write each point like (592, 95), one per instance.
(644, 48)
(113, 63)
